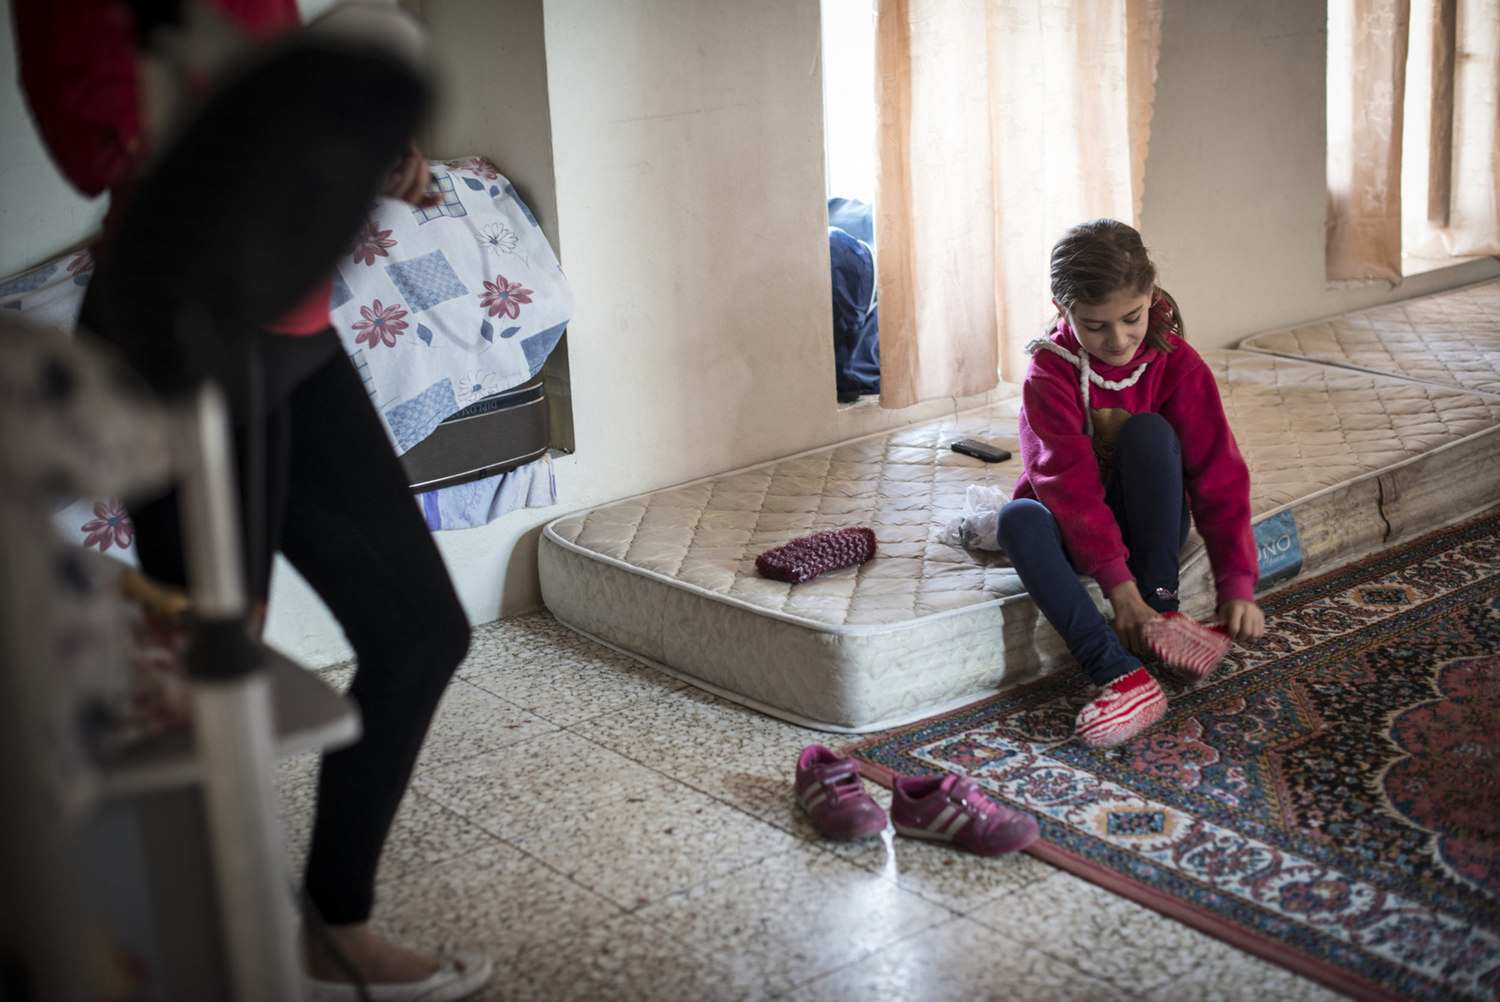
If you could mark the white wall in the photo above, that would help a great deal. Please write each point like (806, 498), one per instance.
(40, 214)
(1235, 183)
(689, 157)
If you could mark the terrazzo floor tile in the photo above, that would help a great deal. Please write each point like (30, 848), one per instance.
(959, 960)
(565, 690)
(536, 640)
(296, 772)
(1232, 976)
(732, 753)
(515, 642)
(638, 850)
(495, 900)
(338, 676)
(422, 833)
(1103, 934)
(425, 833)
(471, 721)
(957, 880)
(621, 960)
(792, 917)
(540, 784)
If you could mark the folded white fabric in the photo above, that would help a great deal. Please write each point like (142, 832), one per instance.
(480, 502)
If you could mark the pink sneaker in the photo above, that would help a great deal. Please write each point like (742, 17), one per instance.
(954, 809)
(1123, 709)
(829, 790)
(1186, 645)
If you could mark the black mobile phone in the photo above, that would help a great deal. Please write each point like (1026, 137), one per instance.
(981, 450)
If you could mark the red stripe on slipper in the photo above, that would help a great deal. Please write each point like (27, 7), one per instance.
(1187, 645)
(1124, 708)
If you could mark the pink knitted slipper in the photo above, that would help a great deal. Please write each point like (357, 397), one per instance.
(819, 553)
(1123, 709)
(1187, 645)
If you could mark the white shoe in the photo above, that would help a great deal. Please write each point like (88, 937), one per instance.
(457, 977)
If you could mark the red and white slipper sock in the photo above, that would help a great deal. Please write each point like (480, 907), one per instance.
(1187, 645)
(1123, 709)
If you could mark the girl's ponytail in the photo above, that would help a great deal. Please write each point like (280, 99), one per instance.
(1166, 319)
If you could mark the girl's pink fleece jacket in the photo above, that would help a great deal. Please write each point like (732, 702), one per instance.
(1063, 473)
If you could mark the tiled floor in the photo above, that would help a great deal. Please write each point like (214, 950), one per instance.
(605, 832)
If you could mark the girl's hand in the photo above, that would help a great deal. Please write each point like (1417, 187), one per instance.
(1242, 620)
(1131, 613)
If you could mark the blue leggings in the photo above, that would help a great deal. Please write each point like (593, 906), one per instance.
(1149, 504)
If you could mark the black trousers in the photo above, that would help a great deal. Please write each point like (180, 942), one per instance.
(321, 484)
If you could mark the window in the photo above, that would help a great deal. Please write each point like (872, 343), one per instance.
(849, 139)
(1412, 138)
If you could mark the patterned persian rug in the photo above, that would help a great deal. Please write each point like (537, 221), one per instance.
(1329, 800)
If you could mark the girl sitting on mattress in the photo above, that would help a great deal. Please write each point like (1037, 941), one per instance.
(1123, 438)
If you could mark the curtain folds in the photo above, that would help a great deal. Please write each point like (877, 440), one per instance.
(1367, 41)
(1413, 133)
(1455, 122)
(1002, 123)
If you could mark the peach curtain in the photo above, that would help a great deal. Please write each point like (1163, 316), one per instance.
(1453, 122)
(1367, 42)
(1002, 123)
(1413, 133)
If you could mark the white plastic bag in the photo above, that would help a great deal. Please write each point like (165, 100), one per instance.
(976, 528)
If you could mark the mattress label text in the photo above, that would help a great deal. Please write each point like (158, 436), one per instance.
(1278, 549)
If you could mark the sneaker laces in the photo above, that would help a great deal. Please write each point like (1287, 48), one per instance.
(840, 779)
(987, 813)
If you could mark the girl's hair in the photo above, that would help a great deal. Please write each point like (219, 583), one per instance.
(1094, 260)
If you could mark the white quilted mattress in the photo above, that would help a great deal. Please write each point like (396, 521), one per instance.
(1447, 339)
(1341, 462)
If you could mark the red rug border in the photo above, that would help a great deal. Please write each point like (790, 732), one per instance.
(1332, 975)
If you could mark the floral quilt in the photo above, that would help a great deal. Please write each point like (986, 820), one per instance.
(436, 307)
(439, 307)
